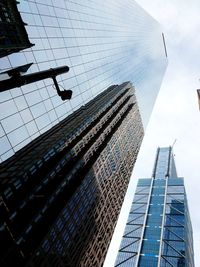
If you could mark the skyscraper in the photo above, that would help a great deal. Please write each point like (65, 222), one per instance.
(102, 43)
(62, 193)
(158, 232)
(13, 33)
(66, 165)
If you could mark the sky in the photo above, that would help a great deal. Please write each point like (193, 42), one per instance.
(176, 114)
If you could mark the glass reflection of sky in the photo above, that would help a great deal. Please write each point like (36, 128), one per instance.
(102, 43)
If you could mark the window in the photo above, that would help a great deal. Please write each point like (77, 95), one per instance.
(13, 35)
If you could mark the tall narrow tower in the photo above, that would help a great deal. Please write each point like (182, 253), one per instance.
(61, 194)
(158, 231)
(65, 165)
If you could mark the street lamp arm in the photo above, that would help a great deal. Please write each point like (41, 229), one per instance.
(18, 80)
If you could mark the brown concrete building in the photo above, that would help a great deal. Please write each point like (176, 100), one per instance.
(62, 193)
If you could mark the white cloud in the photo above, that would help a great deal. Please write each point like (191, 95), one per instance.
(176, 114)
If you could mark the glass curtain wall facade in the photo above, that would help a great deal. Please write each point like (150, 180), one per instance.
(65, 166)
(103, 43)
(62, 193)
(158, 232)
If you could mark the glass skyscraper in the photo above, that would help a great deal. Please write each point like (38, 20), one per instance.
(158, 232)
(65, 166)
(103, 44)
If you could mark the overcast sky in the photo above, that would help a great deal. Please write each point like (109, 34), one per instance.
(176, 114)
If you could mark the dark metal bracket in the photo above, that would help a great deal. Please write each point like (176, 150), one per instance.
(16, 79)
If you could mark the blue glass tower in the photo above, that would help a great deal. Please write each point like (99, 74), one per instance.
(158, 232)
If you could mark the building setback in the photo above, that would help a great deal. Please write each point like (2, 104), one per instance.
(158, 232)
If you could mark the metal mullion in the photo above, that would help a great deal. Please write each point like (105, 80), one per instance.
(144, 223)
(182, 213)
(163, 222)
(174, 249)
(172, 226)
(175, 221)
(143, 188)
(175, 234)
(130, 237)
(135, 241)
(168, 261)
(173, 240)
(135, 218)
(142, 205)
(164, 208)
(170, 194)
(126, 259)
(132, 231)
(171, 256)
(139, 198)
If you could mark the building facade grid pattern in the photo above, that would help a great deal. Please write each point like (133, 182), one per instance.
(103, 44)
(62, 193)
(158, 232)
